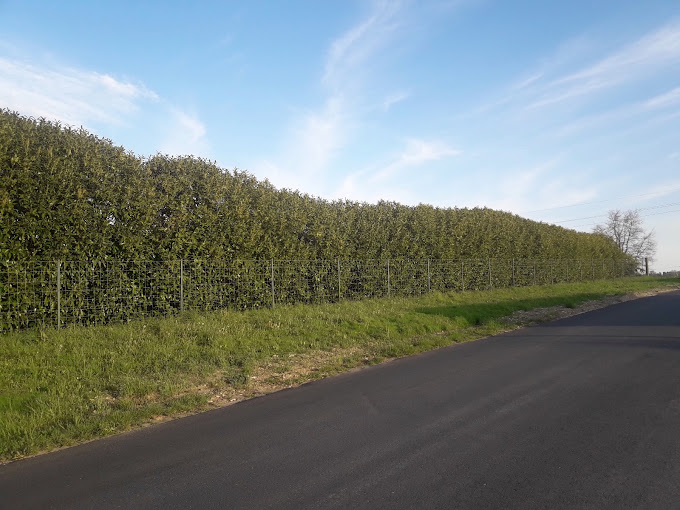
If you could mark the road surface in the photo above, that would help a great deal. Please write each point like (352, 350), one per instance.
(579, 413)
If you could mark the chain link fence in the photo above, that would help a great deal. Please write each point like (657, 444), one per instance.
(60, 293)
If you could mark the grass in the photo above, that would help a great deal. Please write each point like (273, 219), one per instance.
(61, 387)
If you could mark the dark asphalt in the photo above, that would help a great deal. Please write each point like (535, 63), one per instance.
(579, 413)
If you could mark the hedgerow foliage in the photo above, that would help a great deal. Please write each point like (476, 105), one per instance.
(66, 194)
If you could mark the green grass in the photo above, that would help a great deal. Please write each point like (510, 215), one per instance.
(60, 387)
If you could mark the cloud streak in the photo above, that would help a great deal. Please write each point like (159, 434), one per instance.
(73, 96)
(653, 52)
(317, 136)
(185, 135)
(99, 102)
(416, 153)
(393, 99)
(670, 98)
(375, 182)
(352, 50)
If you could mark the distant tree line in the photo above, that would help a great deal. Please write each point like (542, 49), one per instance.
(66, 194)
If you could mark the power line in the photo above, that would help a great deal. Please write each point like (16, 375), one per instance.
(645, 216)
(670, 204)
(583, 218)
(662, 192)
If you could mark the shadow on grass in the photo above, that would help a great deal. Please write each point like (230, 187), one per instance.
(479, 313)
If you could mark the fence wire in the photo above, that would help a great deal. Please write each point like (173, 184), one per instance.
(61, 293)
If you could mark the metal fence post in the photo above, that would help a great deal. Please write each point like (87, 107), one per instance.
(428, 276)
(58, 293)
(490, 283)
(388, 277)
(272, 280)
(181, 285)
(462, 274)
(339, 282)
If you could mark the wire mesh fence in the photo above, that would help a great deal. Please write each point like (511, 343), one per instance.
(60, 293)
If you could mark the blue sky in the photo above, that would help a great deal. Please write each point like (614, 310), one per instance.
(557, 111)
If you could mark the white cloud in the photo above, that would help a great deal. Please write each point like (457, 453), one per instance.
(101, 103)
(184, 135)
(658, 191)
(532, 191)
(320, 135)
(316, 136)
(73, 96)
(421, 151)
(355, 47)
(373, 183)
(416, 153)
(526, 82)
(658, 48)
(629, 118)
(358, 187)
(313, 141)
(392, 99)
(653, 52)
(670, 98)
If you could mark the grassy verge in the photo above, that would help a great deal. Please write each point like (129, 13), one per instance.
(60, 387)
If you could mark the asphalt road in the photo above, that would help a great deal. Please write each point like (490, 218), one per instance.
(579, 413)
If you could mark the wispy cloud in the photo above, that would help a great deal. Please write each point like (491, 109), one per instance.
(416, 153)
(317, 135)
(591, 117)
(664, 189)
(537, 188)
(184, 134)
(99, 102)
(358, 186)
(375, 182)
(314, 140)
(654, 109)
(526, 82)
(653, 52)
(353, 49)
(321, 135)
(73, 96)
(392, 99)
(670, 98)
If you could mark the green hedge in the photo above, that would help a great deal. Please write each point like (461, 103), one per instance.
(68, 195)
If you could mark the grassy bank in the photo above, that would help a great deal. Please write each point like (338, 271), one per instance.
(59, 387)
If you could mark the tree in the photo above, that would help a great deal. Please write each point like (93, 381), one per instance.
(627, 230)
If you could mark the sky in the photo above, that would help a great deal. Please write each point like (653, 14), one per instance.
(556, 111)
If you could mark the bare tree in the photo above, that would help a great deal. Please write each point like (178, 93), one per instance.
(627, 230)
